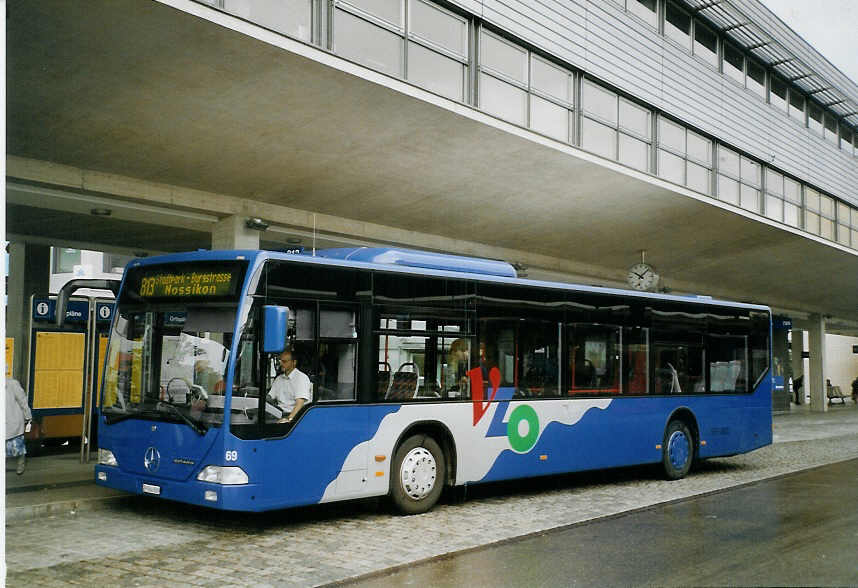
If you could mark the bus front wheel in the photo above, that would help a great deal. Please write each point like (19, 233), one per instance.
(417, 476)
(677, 450)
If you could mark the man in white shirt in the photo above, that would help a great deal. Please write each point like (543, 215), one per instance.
(291, 389)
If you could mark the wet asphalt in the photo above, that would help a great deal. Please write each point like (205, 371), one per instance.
(797, 530)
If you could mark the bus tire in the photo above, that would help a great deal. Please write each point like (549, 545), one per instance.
(677, 450)
(417, 475)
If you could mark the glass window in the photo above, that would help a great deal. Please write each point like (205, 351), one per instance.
(387, 10)
(826, 206)
(830, 132)
(635, 360)
(634, 152)
(502, 99)
(550, 80)
(706, 44)
(826, 228)
(503, 57)
(671, 167)
(114, 263)
(634, 118)
(756, 79)
(671, 135)
(593, 359)
(854, 216)
(698, 178)
(774, 208)
(598, 138)
(728, 161)
(811, 222)
(728, 189)
(814, 117)
(65, 258)
(811, 199)
(778, 94)
(750, 172)
(290, 17)
(845, 139)
(796, 106)
(368, 44)
(791, 214)
(525, 352)
(699, 148)
(434, 24)
(677, 362)
(436, 72)
(774, 182)
(792, 190)
(734, 63)
(728, 362)
(549, 119)
(842, 234)
(750, 199)
(423, 355)
(600, 102)
(677, 25)
(645, 9)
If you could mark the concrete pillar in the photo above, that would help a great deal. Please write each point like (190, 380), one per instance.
(29, 273)
(232, 233)
(798, 362)
(816, 378)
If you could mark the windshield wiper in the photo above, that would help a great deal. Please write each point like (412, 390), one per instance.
(199, 428)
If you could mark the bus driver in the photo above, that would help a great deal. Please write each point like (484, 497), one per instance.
(291, 389)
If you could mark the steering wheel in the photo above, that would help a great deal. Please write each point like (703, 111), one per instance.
(179, 388)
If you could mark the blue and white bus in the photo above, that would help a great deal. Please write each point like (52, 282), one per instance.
(427, 371)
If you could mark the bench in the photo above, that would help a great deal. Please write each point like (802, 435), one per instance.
(834, 393)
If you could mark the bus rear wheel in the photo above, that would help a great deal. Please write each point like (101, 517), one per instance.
(417, 476)
(677, 450)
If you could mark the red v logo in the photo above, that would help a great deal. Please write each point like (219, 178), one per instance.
(477, 392)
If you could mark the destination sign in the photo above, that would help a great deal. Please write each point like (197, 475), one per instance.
(186, 281)
(186, 284)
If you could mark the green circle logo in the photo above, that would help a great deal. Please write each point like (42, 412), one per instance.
(519, 443)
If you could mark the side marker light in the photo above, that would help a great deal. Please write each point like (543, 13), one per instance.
(543, 458)
(379, 474)
(658, 446)
(380, 458)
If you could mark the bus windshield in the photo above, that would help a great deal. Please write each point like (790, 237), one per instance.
(169, 364)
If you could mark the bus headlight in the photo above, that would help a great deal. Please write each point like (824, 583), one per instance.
(106, 457)
(227, 475)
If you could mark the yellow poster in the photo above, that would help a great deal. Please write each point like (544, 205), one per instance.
(58, 374)
(10, 355)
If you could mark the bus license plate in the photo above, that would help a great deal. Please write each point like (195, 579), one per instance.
(151, 489)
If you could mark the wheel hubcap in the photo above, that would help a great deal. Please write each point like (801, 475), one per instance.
(678, 449)
(418, 473)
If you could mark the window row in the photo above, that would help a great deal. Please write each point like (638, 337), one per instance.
(443, 359)
(701, 40)
(424, 43)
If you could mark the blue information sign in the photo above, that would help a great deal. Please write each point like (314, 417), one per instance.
(44, 310)
(104, 311)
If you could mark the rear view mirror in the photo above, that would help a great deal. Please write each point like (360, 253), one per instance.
(275, 320)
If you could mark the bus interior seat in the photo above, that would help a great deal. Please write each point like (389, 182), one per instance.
(383, 381)
(404, 384)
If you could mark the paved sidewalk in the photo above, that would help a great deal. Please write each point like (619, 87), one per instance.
(60, 484)
(148, 542)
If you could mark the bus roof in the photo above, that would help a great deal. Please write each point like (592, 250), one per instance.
(415, 262)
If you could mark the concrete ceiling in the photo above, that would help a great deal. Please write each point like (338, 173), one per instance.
(142, 90)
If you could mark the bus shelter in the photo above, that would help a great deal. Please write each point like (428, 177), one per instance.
(65, 367)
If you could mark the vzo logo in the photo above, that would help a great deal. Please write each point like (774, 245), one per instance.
(522, 429)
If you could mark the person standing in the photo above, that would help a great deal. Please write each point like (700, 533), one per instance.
(18, 417)
(292, 388)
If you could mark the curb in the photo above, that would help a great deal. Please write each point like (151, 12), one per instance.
(31, 512)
